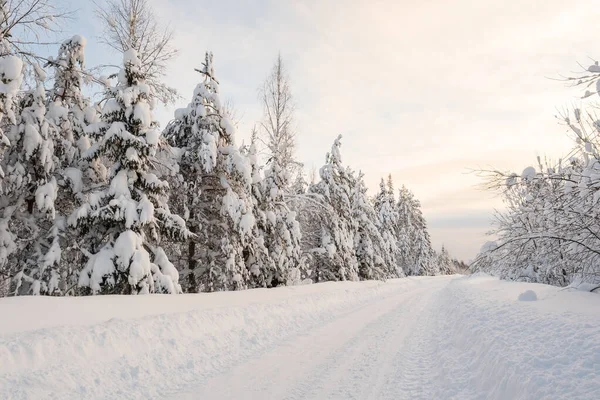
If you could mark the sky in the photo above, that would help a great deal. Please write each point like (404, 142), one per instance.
(424, 90)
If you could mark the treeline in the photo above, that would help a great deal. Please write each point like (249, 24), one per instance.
(95, 198)
(549, 231)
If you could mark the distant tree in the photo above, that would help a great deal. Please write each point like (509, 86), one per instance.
(299, 185)
(369, 244)
(417, 252)
(391, 232)
(334, 256)
(444, 262)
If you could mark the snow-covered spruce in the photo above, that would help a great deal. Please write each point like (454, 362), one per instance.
(11, 77)
(11, 74)
(70, 111)
(370, 246)
(261, 267)
(393, 235)
(279, 230)
(68, 108)
(124, 220)
(444, 262)
(214, 190)
(418, 254)
(29, 247)
(334, 255)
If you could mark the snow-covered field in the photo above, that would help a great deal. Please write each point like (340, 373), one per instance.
(415, 338)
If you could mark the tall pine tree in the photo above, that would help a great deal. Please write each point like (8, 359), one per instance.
(335, 258)
(124, 220)
(214, 189)
(369, 244)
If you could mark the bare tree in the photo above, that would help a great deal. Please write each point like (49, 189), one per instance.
(277, 130)
(133, 24)
(25, 24)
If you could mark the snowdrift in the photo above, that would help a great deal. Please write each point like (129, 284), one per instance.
(482, 342)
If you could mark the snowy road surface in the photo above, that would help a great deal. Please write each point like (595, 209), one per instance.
(415, 338)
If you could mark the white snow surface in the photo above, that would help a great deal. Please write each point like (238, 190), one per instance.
(413, 338)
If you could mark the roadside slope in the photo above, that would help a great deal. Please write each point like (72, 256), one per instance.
(418, 338)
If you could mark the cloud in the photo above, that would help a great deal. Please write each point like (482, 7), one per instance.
(422, 90)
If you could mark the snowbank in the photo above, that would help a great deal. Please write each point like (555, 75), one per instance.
(441, 337)
(141, 346)
(499, 347)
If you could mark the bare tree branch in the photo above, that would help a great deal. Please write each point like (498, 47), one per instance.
(133, 24)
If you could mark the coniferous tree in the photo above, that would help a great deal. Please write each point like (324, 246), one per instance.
(30, 194)
(369, 245)
(418, 254)
(215, 187)
(11, 71)
(70, 111)
(390, 229)
(262, 269)
(124, 220)
(282, 234)
(335, 258)
(444, 262)
(300, 185)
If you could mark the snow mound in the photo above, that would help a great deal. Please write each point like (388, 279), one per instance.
(528, 295)
(528, 173)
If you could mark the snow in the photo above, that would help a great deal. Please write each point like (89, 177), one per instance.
(146, 210)
(167, 276)
(182, 113)
(528, 295)
(528, 173)
(75, 177)
(111, 106)
(130, 254)
(142, 113)
(418, 338)
(11, 68)
(99, 267)
(31, 140)
(594, 68)
(131, 57)
(39, 72)
(119, 185)
(79, 39)
(152, 137)
(227, 126)
(247, 222)
(45, 195)
(488, 247)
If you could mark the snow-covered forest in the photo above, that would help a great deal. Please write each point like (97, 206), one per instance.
(549, 229)
(97, 198)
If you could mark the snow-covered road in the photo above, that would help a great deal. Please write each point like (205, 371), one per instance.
(416, 338)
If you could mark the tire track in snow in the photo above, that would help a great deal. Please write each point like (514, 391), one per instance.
(337, 360)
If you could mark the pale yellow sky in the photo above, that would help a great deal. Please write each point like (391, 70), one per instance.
(425, 90)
